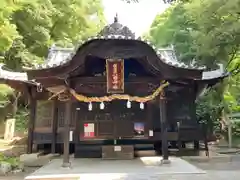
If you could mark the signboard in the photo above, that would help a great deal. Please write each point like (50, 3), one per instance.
(117, 148)
(150, 133)
(89, 130)
(115, 75)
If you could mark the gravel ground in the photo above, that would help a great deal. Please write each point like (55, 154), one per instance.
(215, 171)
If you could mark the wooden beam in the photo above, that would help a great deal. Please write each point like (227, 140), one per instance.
(31, 121)
(103, 79)
(51, 81)
(97, 89)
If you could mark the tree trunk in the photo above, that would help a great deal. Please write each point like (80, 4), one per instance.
(229, 127)
(16, 97)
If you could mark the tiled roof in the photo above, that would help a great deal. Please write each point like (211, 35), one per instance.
(58, 56)
(214, 74)
(115, 31)
(18, 76)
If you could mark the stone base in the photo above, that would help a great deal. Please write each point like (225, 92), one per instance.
(66, 165)
(123, 152)
(165, 161)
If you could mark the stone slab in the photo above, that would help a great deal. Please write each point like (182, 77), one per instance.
(9, 129)
(36, 160)
(86, 169)
(213, 159)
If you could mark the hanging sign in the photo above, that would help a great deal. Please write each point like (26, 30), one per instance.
(89, 130)
(115, 75)
(71, 136)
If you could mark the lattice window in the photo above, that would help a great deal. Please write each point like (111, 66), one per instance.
(73, 115)
(44, 114)
(61, 114)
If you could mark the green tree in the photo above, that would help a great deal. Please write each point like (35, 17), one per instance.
(29, 27)
(208, 32)
(8, 30)
(210, 38)
(174, 27)
(40, 23)
(165, 1)
(218, 24)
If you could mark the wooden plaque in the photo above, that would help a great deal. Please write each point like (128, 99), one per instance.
(115, 75)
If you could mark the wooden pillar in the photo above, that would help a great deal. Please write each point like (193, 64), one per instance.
(163, 120)
(179, 137)
(54, 126)
(196, 145)
(67, 120)
(31, 121)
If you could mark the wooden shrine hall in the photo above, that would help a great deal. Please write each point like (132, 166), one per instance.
(112, 95)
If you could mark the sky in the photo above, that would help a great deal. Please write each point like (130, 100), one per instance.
(137, 16)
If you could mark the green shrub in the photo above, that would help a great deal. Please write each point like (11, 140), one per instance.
(236, 129)
(21, 119)
(11, 160)
(5, 92)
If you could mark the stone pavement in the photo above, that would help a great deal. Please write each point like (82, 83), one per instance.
(211, 175)
(214, 171)
(144, 167)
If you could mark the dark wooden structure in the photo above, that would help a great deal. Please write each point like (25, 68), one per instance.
(58, 120)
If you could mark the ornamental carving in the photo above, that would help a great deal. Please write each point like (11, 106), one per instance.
(116, 29)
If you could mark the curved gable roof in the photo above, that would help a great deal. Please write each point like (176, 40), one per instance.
(63, 60)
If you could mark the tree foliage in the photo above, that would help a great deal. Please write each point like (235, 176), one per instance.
(218, 28)
(29, 27)
(33, 26)
(165, 1)
(8, 30)
(174, 27)
(209, 33)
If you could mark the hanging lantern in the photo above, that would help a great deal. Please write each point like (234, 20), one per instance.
(102, 105)
(128, 104)
(141, 105)
(90, 106)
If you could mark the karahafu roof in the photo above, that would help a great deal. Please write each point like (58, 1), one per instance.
(59, 55)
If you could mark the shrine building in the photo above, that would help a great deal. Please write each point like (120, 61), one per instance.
(112, 95)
